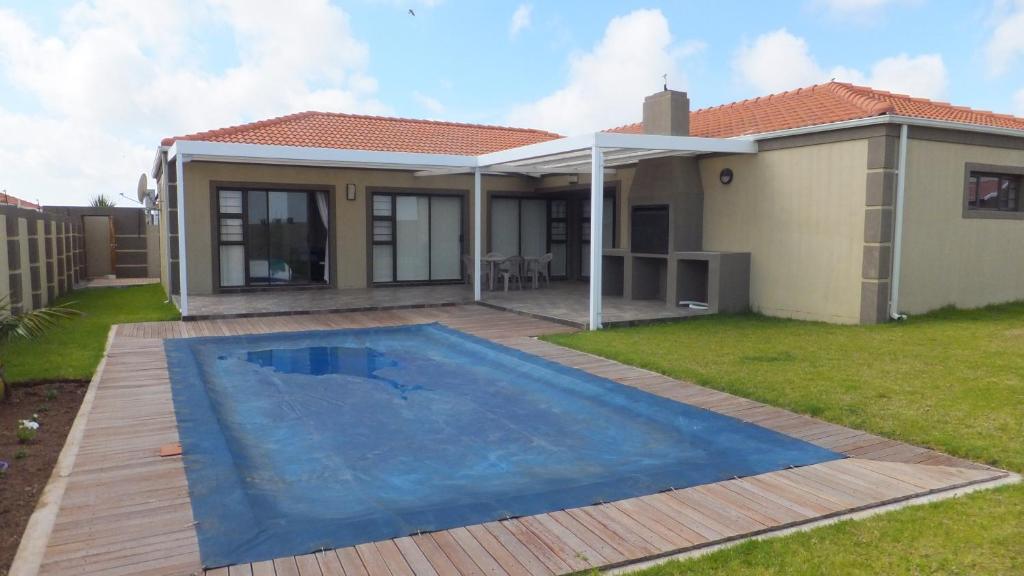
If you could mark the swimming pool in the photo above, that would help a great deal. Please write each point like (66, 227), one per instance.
(295, 442)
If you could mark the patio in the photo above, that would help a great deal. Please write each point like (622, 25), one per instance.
(562, 302)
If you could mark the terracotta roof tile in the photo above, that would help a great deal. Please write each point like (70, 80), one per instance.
(15, 201)
(810, 106)
(358, 132)
(825, 104)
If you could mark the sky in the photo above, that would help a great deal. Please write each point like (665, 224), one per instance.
(88, 88)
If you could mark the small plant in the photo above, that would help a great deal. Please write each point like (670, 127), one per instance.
(27, 431)
(26, 325)
(51, 394)
(21, 454)
(102, 201)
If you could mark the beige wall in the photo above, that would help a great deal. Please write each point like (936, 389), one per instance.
(16, 266)
(949, 259)
(165, 223)
(349, 259)
(5, 271)
(800, 213)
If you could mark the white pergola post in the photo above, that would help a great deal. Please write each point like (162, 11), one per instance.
(596, 231)
(179, 165)
(477, 235)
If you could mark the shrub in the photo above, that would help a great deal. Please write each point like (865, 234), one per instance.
(27, 431)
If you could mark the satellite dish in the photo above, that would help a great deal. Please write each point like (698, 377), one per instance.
(142, 188)
(149, 200)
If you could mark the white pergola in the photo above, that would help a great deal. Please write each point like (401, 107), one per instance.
(593, 153)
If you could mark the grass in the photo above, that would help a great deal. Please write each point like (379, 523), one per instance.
(974, 535)
(952, 380)
(72, 349)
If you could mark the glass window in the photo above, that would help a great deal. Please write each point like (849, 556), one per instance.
(413, 237)
(230, 229)
(232, 265)
(505, 226)
(382, 205)
(382, 230)
(271, 237)
(416, 238)
(230, 201)
(993, 192)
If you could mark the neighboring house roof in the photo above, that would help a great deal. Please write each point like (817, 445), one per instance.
(825, 104)
(359, 132)
(15, 201)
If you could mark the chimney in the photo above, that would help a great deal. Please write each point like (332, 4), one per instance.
(667, 113)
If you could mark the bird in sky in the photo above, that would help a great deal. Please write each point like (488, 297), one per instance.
(411, 13)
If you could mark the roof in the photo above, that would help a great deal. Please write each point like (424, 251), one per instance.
(816, 105)
(15, 201)
(825, 104)
(380, 133)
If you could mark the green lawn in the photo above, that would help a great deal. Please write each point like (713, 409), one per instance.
(72, 349)
(952, 380)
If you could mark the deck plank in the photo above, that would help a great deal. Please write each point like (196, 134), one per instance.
(125, 510)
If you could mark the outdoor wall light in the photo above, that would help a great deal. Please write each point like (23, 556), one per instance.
(350, 191)
(574, 179)
(725, 176)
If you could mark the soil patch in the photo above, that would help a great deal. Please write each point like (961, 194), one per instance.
(29, 465)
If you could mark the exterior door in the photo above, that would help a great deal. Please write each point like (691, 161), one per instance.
(99, 246)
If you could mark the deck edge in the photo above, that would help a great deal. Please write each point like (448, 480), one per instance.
(34, 540)
(859, 513)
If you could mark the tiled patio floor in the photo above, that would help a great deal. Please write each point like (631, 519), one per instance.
(324, 300)
(565, 302)
(569, 302)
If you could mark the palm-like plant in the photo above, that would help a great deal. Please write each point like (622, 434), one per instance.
(102, 201)
(29, 324)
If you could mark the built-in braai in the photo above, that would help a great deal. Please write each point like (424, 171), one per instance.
(649, 229)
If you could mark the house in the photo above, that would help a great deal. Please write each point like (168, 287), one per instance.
(833, 202)
(8, 200)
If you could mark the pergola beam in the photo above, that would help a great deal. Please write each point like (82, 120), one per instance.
(690, 144)
(596, 236)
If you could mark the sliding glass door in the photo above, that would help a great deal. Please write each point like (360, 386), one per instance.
(416, 238)
(272, 237)
(561, 226)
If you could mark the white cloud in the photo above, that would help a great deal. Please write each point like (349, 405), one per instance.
(779, 61)
(922, 76)
(1006, 44)
(521, 20)
(118, 75)
(605, 86)
(848, 7)
(433, 105)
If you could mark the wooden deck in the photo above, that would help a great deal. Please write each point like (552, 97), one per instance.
(126, 510)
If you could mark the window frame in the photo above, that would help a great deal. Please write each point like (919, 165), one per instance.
(971, 170)
(245, 188)
(393, 194)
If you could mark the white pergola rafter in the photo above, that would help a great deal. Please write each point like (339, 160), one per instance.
(595, 154)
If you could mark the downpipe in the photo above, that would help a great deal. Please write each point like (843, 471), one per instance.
(897, 240)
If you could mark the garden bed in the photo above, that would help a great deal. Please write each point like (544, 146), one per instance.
(30, 464)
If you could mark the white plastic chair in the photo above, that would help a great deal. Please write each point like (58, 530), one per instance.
(511, 269)
(537, 268)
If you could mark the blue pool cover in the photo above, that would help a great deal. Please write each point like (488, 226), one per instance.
(301, 441)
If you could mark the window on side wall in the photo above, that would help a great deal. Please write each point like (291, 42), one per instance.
(993, 192)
